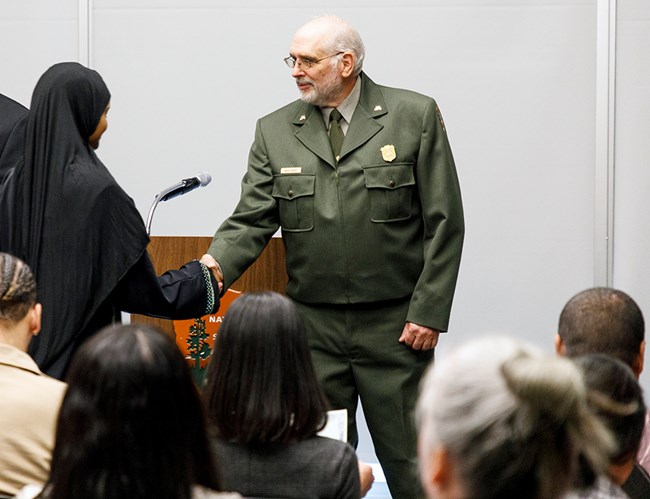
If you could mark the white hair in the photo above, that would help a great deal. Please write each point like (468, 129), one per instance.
(513, 420)
(343, 37)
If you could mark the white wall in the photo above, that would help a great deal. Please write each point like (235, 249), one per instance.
(632, 178)
(516, 80)
(34, 34)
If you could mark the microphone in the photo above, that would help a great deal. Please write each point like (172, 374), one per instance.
(184, 186)
(178, 189)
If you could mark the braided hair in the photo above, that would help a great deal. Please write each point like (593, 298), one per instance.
(17, 288)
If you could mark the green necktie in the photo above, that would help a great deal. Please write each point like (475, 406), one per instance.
(336, 134)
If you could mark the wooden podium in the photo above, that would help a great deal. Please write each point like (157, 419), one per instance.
(268, 273)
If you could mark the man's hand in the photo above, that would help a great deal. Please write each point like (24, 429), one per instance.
(419, 337)
(214, 266)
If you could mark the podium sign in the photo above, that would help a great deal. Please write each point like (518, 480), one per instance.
(195, 337)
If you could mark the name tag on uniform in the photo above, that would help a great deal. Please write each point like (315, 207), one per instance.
(293, 169)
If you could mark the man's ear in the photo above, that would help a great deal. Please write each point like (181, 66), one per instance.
(35, 319)
(560, 349)
(347, 61)
(439, 475)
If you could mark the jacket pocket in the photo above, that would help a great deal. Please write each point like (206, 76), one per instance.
(390, 189)
(295, 197)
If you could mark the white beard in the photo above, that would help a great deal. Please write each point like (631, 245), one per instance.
(325, 93)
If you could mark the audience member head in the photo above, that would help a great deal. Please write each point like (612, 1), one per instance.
(498, 420)
(603, 320)
(131, 423)
(20, 315)
(261, 386)
(616, 397)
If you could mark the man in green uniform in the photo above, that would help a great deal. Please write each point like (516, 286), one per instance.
(361, 179)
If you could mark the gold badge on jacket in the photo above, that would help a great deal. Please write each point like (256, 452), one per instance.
(388, 152)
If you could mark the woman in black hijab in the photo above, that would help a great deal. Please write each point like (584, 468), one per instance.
(80, 232)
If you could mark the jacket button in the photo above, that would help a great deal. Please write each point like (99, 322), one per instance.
(391, 183)
(290, 193)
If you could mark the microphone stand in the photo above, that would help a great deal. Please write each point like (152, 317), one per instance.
(184, 186)
(164, 195)
(151, 210)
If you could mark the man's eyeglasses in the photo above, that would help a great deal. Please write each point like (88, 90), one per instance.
(292, 62)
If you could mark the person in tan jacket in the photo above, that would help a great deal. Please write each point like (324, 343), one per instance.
(30, 399)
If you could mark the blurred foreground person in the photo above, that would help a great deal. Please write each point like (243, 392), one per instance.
(498, 420)
(267, 407)
(132, 424)
(616, 397)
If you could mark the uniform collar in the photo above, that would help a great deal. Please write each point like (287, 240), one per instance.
(312, 130)
(347, 107)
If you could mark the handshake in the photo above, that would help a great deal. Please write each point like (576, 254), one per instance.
(215, 268)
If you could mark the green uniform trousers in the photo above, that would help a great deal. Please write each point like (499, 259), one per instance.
(357, 355)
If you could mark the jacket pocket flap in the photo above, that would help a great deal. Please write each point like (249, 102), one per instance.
(389, 176)
(293, 186)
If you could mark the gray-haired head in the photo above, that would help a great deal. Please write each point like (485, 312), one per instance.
(514, 422)
(341, 36)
